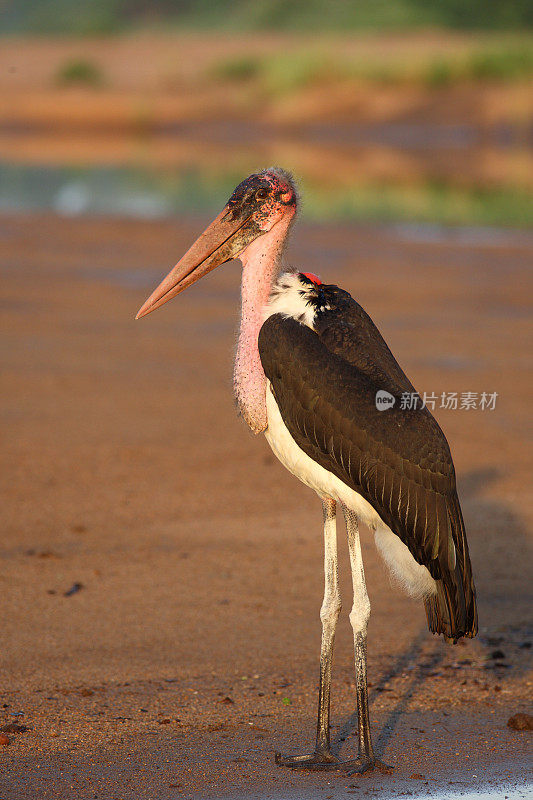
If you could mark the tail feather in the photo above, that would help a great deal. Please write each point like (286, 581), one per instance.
(452, 611)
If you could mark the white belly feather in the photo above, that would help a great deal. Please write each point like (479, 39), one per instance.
(324, 483)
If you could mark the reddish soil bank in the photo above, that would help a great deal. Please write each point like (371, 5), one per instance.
(145, 82)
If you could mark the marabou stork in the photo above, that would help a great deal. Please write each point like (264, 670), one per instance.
(308, 365)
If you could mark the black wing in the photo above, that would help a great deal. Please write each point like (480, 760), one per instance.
(325, 385)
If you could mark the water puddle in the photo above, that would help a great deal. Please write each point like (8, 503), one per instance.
(149, 192)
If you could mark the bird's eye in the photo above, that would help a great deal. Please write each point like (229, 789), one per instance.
(261, 194)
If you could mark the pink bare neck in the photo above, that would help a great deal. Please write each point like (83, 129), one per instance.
(261, 262)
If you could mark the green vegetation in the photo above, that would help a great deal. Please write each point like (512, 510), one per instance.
(284, 74)
(136, 190)
(478, 14)
(426, 203)
(75, 17)
(80, 17)
(79, 71)
(239, 69)
(290, 72)
(502, 64)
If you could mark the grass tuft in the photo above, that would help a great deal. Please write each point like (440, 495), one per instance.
(284, 74)
(238, 70)
(80, 72)
(503, 64)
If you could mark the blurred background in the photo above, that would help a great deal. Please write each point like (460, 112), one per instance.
(402, 111)
(152, 550)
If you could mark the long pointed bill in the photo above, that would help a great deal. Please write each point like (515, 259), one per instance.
(220, 242)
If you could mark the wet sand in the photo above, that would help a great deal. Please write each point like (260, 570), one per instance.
(190, 652)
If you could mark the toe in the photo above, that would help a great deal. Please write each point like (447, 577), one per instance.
(311, 761)
(361, 765)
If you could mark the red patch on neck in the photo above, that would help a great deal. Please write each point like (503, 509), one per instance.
(312, 277)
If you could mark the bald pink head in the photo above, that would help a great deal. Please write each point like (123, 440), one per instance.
(256, 206)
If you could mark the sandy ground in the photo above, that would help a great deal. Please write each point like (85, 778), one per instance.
(190, 652)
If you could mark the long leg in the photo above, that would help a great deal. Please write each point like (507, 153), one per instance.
(329, 614)
(359, 617)
(322, 758)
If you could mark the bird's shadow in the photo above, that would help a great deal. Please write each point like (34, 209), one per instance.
(487, 522)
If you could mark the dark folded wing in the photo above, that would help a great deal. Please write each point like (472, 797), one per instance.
(325, 385)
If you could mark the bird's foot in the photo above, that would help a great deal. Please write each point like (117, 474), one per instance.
(319, 760)
(361, 764)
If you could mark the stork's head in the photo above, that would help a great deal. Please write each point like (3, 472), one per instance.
(256, 206)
